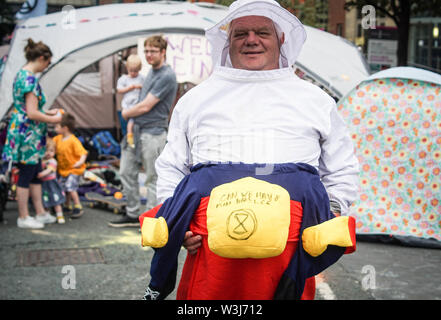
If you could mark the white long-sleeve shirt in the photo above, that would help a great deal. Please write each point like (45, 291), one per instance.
(259, 117)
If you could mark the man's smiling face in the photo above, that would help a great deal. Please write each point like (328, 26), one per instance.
(254, 44)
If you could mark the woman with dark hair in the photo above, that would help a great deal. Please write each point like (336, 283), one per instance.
(26, 139)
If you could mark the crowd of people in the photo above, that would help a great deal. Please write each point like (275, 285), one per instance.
(49, 169)
(253, 95)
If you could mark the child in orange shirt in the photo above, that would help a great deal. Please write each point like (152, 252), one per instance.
(71, 157)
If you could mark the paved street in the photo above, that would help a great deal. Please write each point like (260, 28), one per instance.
(108, 263)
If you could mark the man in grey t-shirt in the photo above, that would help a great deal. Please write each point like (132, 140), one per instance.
(150, 131)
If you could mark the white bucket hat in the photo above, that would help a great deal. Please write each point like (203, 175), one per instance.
(284, 21)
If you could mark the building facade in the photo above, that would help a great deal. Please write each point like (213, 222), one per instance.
(425, 43)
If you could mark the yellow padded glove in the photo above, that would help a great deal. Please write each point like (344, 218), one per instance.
(154, 232)
(339, 231)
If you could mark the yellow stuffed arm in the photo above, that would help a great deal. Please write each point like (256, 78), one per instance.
(154, 232)
(339, 231)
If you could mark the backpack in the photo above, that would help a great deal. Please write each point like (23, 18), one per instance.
(104, 142)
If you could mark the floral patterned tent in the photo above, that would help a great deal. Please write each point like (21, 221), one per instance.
(394, 118)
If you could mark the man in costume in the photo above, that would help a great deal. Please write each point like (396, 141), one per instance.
(252, 110)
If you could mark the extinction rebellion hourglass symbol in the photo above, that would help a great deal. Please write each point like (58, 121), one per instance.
(241, 224)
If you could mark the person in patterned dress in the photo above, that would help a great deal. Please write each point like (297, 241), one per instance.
(26, 138)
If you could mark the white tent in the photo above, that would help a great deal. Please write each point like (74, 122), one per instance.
(81, 37)
(333, 61)
(78, 38)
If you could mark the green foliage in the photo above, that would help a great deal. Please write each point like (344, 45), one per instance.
(225, 2)
(394, 8)
(313, 13)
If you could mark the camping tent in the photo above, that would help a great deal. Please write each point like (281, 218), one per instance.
(394, 118)
(81, 37)
(90, 98)
(332, 61)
